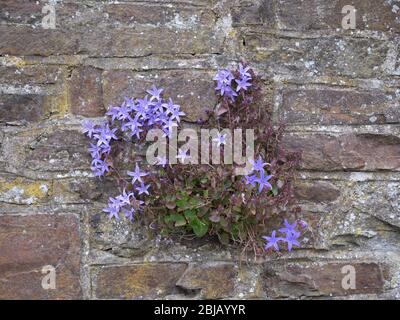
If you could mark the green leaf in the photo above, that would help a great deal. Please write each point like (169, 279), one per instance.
(199, 227)
(177, 218)
(274, 191)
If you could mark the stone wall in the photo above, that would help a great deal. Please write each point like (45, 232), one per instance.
(338, 90)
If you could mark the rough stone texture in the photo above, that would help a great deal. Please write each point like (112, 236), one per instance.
(321, 279)
(27, 244)
(338, 91)
(138, 282)
(86, 92)
(214, 282)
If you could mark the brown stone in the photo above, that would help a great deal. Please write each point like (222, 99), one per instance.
(142, 281)
(86, 92)
(295, 279)
(321, 14)
(214, 281)
(316, 191)
(330, 106)
(329, 57)
(29, 107)
(193, 91)
(24, 40)
(27, 244)
(327, 152)
(256, 12)
(60, 150)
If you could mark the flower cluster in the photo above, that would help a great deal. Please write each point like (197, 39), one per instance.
(200, 199)
(131, 118)
(100, 149)
(259, 176)
(290, 238)
(227, 87)
(135, 115)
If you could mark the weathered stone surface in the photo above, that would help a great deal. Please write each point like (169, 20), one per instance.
(193, 91)
(327, 152)
(315, 57)
(86, 92)
(214, 281)
(60, 150)
(23, 40)
(18, 190)
(332, 106)
(319, 14)
(29, 107)
(29, 243)
(295, 280)
(256, 12)
(337, 89)
(316, 191)
(142, 281)
(117, 29)
(21, 74)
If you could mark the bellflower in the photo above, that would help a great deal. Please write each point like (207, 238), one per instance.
(272, 241)
(137, 174)
(89, 128)
(143, 189)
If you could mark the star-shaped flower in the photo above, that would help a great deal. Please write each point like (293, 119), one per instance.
(143, 189)
(137, 174)
(272, 241)
(259, 164)
(263, 181)
(244, 71)
(242, 84)
(155, 93)
(89, 128)
(251, 180)
(291, 241)
(113, 112)
(290, 229)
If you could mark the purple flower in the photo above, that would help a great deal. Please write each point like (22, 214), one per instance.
(224, 77)
(129, 213)
(113, 113)
(125, 198)
(272, 241)
(113, 208)
(251, 180)
(124, 112)
(263, 181)
(143, 189)
(137, 174)
(242, 84)
(258, 165)
(290, 229)
(291, 241)
(176, 113)
(244, 71)
(99, 167)
(155, 93)
(94, 151)
(89, 128)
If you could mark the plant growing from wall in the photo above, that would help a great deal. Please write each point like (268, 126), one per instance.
(202, 199)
